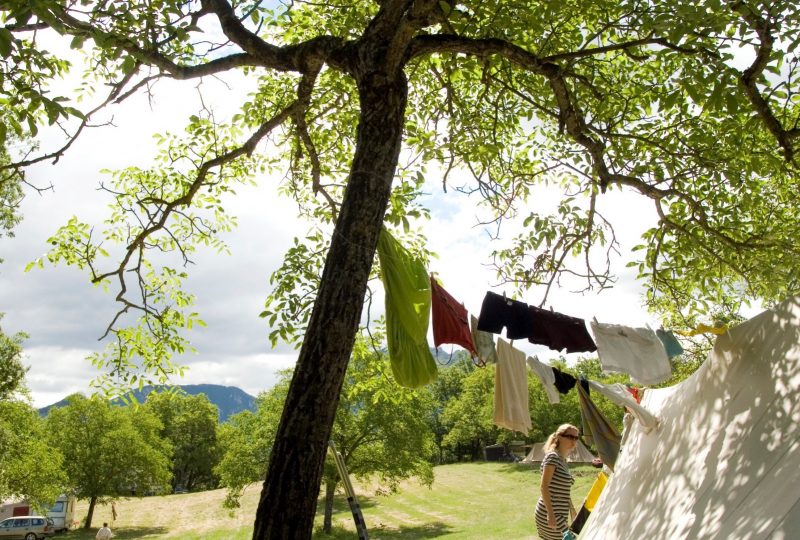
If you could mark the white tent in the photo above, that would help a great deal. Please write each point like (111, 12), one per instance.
(725, 460)
(579, 454)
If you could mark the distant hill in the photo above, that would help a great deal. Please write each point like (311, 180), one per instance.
(228, 399)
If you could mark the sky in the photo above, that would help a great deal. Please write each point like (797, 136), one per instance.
(65, 315)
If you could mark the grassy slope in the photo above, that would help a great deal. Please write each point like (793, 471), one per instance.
(467, 501)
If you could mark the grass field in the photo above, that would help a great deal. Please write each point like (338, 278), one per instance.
(468, 501)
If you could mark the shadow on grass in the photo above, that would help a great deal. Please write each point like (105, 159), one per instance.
(428, 530)
(124, 533)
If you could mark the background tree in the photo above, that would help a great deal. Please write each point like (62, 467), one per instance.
(29, 467)
(469, 416)
(12, 372)
(691, 106)
(447, 387)
(246, 440)
(109, 451)
(189, 424)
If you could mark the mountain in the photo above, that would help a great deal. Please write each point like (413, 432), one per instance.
(228, 399)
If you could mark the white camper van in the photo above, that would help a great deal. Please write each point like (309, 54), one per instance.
(62, 512)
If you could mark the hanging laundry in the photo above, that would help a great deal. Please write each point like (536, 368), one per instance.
(636, 392)
(484, 342)
(545, 374)
(511, 389)
(408, 304)
(449, 319)
(564, 381)
(589, 502)
(704, 329)
(559, 331)
(498, 311)
(635, 351)
(670, 342)
(598, 430)
(617, 393)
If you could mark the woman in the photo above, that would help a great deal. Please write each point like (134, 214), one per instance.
(555, 503)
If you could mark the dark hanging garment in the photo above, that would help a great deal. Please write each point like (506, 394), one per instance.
(449, 316)
(559, 331)
(564, 381)
(598, 430)
(498, 312)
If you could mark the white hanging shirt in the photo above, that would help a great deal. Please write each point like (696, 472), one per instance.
(545, 374)
(511, 389)
(618, 394)
(635, 351)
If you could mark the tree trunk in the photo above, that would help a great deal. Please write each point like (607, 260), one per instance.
(289, 496)
(90, 513)
(330, 491)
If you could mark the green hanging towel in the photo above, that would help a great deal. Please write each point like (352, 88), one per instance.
(408, 307)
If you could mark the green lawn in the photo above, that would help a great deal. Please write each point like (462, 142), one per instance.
(466, 501)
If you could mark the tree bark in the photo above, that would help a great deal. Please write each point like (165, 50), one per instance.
(330, 491)
(289, 496)
(90, 513)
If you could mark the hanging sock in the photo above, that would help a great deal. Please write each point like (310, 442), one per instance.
(484, 342)
(670, 342)
(704, 329)
(408, 304)
(511, 389)
(564, 382)
(598, 430)
(635, 391)
(449, 319)
(635, 351)
(548, 378)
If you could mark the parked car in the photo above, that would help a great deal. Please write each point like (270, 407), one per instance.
(26, 528)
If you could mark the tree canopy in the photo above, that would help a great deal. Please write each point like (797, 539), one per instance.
(692, 106)
(189, 424)
(108, 451)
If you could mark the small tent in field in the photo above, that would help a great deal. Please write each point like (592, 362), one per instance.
(580, 454)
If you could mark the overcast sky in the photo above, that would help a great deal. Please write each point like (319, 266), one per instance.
(64, 315)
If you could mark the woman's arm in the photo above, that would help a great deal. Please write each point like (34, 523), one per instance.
(547, 476)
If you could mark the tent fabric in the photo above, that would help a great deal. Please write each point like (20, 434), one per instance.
(579, 454)
(725, 459)
(408, 307)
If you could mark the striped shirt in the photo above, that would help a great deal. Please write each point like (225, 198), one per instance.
(560, 486)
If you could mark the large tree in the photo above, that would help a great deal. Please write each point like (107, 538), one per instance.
(691, 105)
(108, 451)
